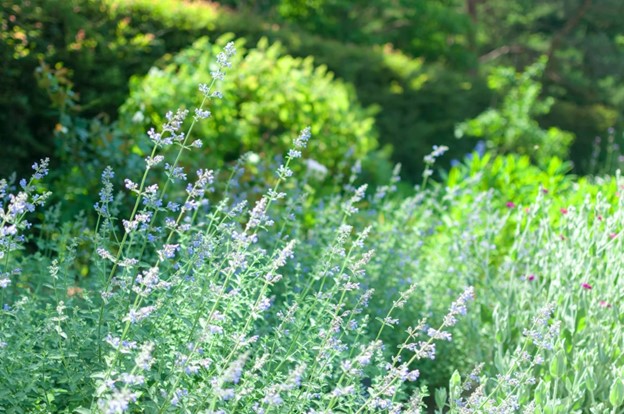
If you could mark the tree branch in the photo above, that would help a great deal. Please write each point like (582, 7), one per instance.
(500, 51)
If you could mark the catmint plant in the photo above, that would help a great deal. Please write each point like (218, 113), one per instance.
(16, 202)
(221, 293)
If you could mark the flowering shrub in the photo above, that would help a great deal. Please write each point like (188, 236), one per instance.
(214, 296)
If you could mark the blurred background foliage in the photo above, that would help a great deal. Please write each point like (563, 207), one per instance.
(539, 78)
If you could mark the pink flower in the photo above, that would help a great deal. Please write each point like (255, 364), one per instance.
(531, 278)
(510, 204)
(604, 304)
(586, 286)
(564, 211)
(612, 235)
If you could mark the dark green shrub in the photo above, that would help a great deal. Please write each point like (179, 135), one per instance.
(419, 103)
(99, 52)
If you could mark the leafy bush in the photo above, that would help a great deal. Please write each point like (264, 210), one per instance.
(512, 126)
(269, 97)
(419, 103)
(514, 177)
(518, 181)
(545, 248)
(567, 264)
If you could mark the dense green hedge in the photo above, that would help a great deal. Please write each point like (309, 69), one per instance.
(100, 53)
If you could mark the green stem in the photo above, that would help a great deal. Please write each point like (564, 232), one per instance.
(118, 256)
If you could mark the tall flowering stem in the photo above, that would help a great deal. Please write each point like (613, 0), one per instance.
(425, 349)
(200, 113)
(13, 214)
(174, 124)
(257, 216)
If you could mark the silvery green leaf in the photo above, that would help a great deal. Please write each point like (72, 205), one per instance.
(558, 365)
(440, 397)
(616, 395)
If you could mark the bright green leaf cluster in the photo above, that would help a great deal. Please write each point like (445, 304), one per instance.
(267, 99)
(511, 125)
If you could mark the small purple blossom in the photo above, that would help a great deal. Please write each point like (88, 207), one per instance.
(118, 402)
(459, 307)
(137, 315)
(41, 169)
(302, 140)
(439, 335)
(144, 359)
(168, 251)
(201, 114)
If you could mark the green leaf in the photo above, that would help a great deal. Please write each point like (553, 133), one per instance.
(567, 335)
(486, 314)
(540, 393)
(590, 383)
(440, 397)
(581, 320)
(616, 395)
(455, 386)
(558, 365)
(455, 380)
